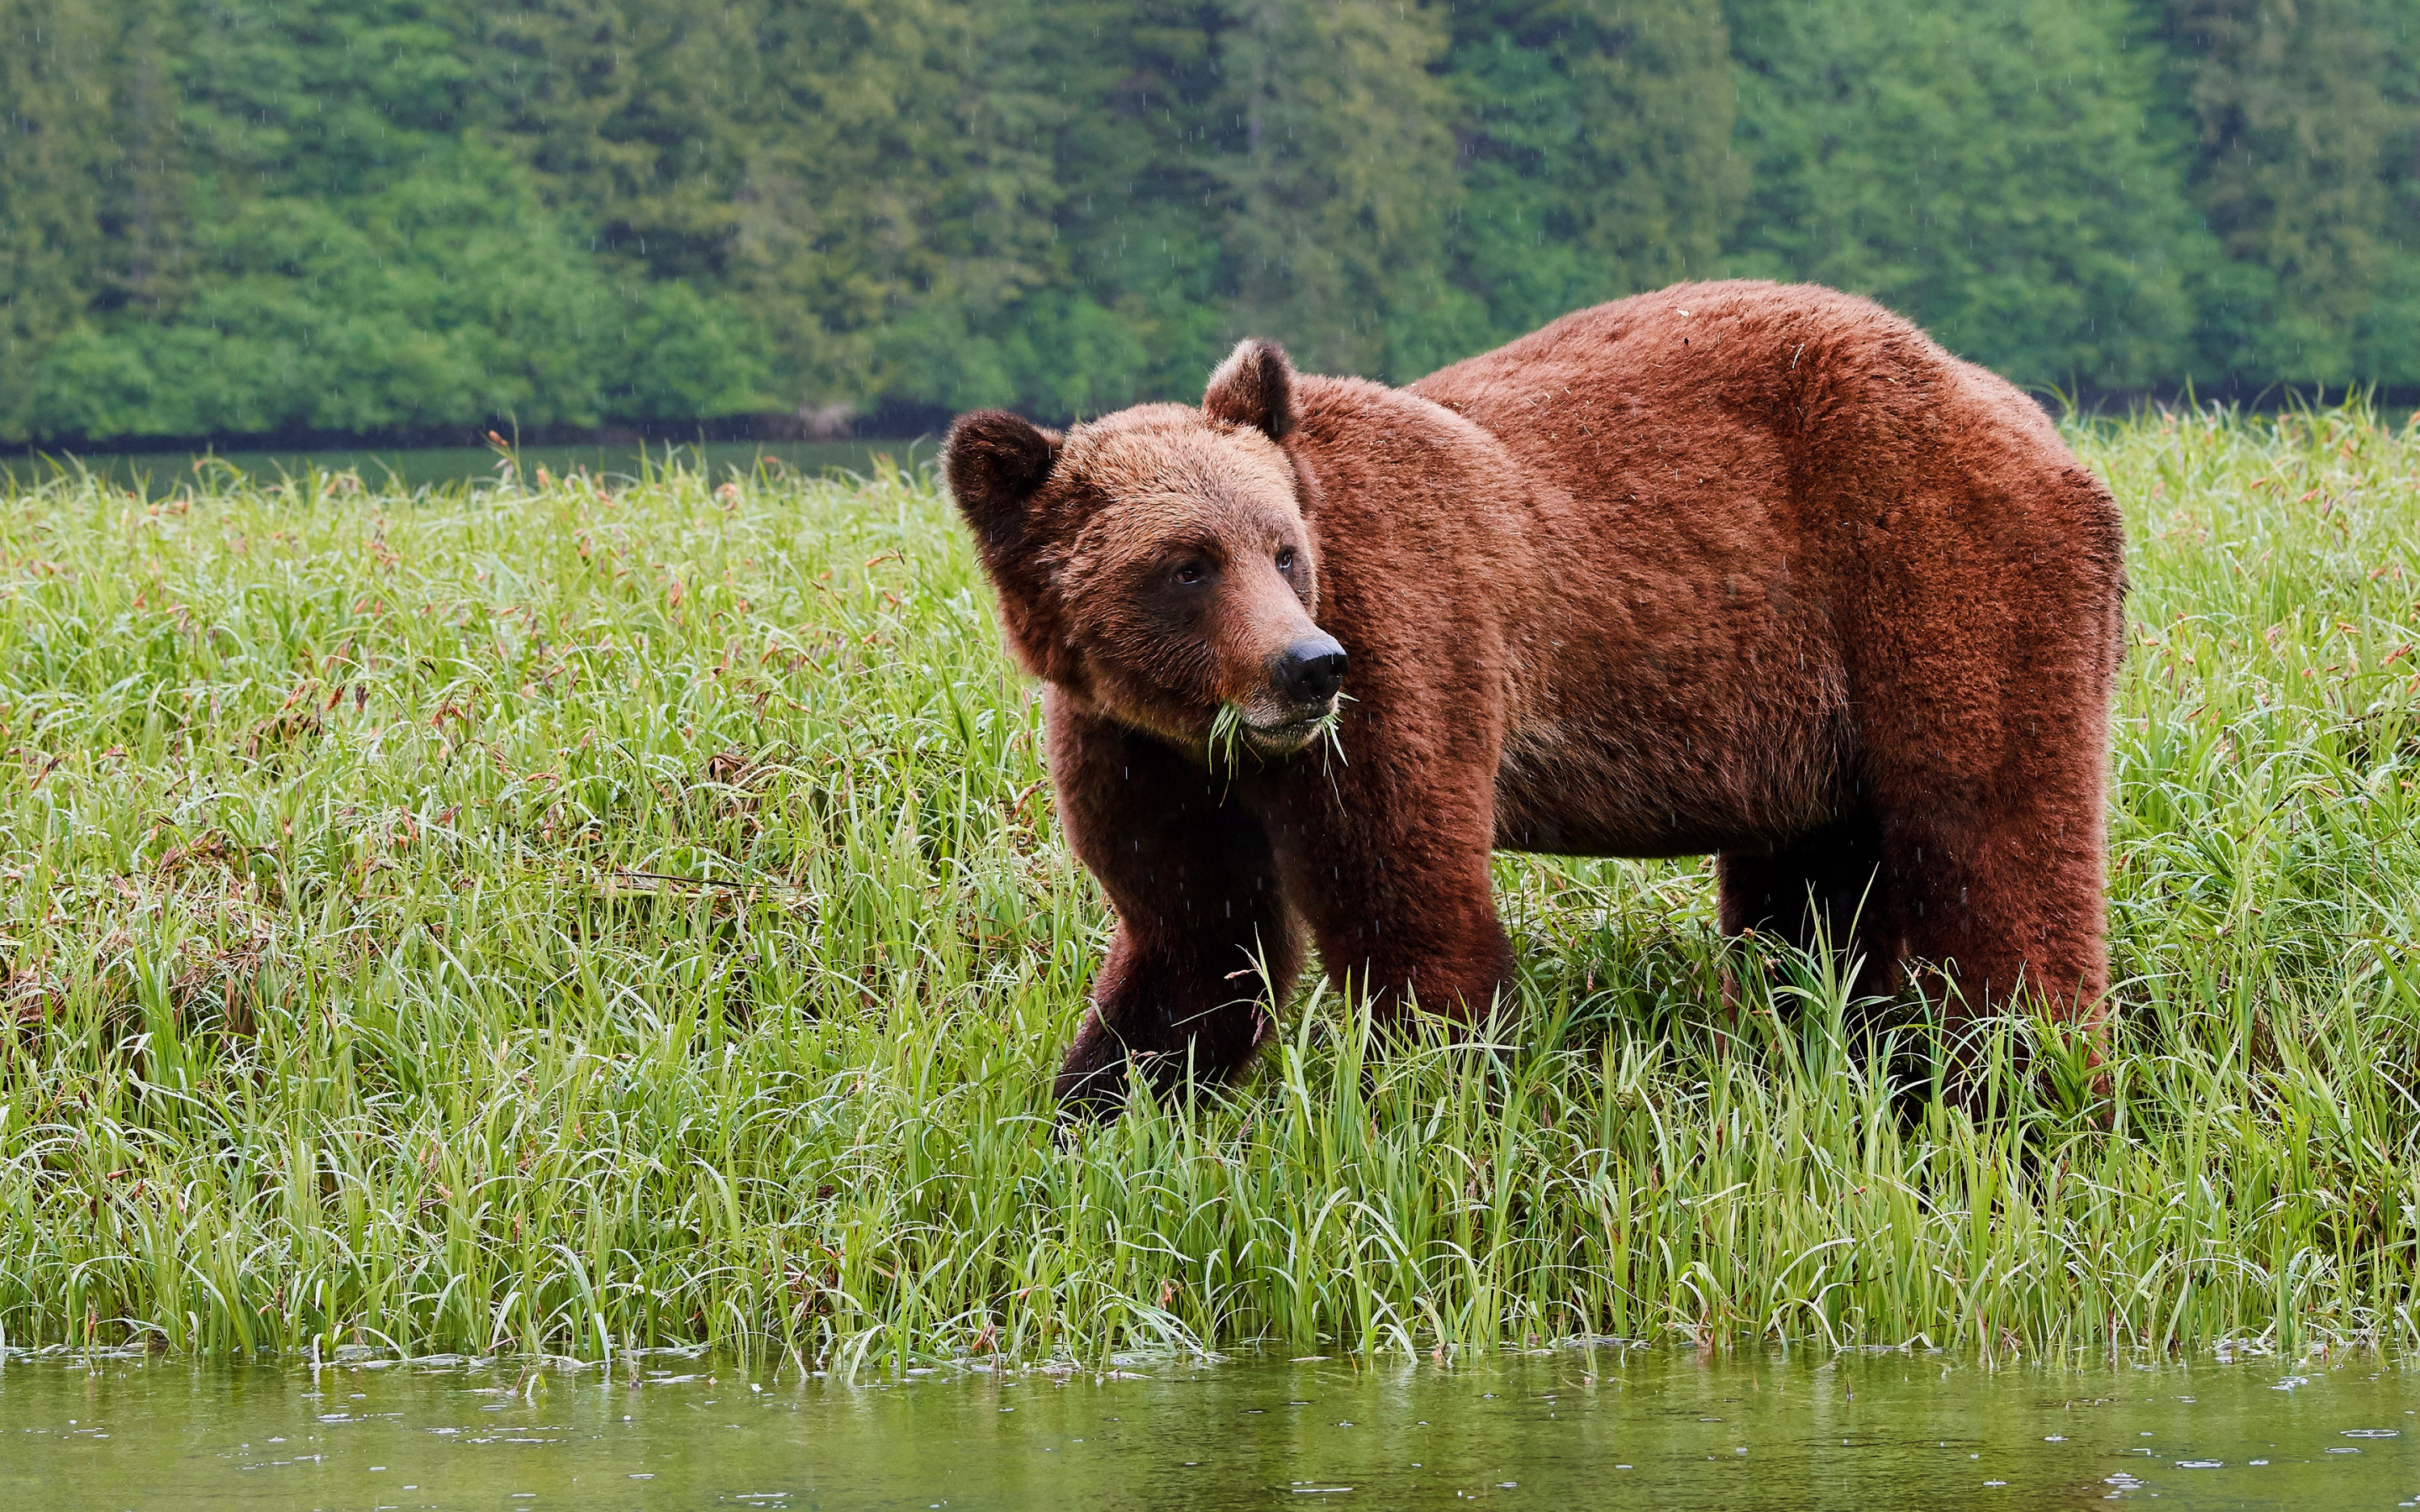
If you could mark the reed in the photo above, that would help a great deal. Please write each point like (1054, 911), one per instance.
(577, 915)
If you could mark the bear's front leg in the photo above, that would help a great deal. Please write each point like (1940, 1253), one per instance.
(1386, 859)
(1203, 937)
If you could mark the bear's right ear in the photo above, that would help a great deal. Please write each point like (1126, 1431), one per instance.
(1253, 386)
(993, 462)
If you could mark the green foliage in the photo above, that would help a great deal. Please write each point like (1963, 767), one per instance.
(897, 194)
(634, 112)
(302, 227)
(1996, 173)
(1343, 174)
(1597, 145)
(449, 296)
(536, 916)
(319, 99)
(1139, 129)
(227, 213)
(2306, 114)
(54, 152)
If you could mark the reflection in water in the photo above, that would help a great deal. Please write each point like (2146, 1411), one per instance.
(1647, 1427)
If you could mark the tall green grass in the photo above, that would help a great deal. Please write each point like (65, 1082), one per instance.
(567, 917)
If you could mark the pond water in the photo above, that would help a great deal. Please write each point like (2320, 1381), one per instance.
(161, 473)
(1596, 1427)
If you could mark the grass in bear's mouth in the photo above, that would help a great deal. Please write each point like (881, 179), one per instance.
(1230, 732)
(1328, 731)
(582, 917)
(1225, 737)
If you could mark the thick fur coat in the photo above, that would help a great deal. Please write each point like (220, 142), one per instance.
(1739, 568)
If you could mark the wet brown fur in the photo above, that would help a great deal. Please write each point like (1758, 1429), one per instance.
(1739, 567)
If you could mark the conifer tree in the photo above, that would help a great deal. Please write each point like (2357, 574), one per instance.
(2304, 120)
(897, 191)
(1343, 179)
(54, 159)
(1997, 172)
(1596, 148)
(243, 215)
(1139, 128)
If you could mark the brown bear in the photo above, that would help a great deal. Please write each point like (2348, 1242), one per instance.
(1735, 567)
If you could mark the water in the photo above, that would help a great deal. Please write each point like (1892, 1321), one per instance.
(1649, 1428)
(161, 473)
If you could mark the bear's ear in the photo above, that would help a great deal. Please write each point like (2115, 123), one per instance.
(993, 462)
(1253, 386)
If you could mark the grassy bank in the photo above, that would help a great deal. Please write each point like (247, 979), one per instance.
(555, 917)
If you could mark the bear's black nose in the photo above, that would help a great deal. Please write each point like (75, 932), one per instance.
(1311, 670)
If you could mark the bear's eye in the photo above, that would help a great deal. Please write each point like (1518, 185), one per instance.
(1189, 573)
(1285, 559)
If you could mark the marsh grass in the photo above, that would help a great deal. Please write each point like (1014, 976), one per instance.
(574, 918)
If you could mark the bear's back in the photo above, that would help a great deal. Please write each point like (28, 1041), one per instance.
(1702, 359)
(1731, 467)
(1788, 396)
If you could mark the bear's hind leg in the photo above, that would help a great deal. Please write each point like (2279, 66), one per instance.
(1818, 892)
(2000, 901)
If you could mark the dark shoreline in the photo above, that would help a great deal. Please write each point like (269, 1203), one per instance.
(889, 423)
(911, 422)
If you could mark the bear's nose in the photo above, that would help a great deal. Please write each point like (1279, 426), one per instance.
(1311, 670)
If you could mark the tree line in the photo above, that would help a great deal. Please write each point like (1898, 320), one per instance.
(232, 216)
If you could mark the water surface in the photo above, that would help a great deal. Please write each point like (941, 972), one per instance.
(1603, 1428)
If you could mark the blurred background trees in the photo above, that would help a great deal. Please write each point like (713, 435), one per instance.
(228, 216)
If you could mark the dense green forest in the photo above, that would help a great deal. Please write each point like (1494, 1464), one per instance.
(221, 216)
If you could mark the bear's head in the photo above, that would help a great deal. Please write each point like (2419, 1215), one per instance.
(1156, 563)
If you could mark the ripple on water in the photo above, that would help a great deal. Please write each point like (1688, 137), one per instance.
(1877, 1432)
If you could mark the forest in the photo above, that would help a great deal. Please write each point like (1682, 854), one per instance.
(231, 217)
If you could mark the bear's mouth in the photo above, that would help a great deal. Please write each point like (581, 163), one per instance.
(1284, 737)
